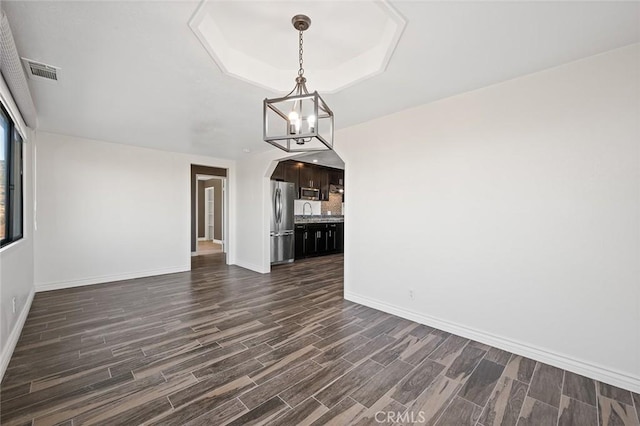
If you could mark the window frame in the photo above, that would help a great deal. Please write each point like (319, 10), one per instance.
(10, 157)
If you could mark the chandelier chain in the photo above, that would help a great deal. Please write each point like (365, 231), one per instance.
(301, 70)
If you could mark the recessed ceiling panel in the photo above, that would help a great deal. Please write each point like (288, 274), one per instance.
(255, 41)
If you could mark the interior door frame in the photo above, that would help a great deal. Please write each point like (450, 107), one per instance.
(209, 213)
(224, 227)
(224, 215)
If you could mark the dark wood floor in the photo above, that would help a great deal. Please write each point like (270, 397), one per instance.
(223, 345)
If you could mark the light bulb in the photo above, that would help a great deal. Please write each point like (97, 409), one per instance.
(311, 120)
(294, 123)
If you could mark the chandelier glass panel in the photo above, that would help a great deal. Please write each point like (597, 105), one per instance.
(300, 121)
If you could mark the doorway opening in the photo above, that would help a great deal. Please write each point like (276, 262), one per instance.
(209, 212)
(210, 191)
(314, 186)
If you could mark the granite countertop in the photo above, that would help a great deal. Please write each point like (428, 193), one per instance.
(318, 219)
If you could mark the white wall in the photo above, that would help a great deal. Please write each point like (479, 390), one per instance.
(16, 272)
(253, 209)
(313, 207)
(16, 260)
(512, 212)
(107, 211)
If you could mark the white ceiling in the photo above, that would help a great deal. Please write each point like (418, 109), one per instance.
(322, 158)
(254, 42)
(133, 72)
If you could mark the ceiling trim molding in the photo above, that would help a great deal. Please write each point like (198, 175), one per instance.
(241, 63)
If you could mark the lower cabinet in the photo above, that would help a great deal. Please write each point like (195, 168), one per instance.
(300, 241)
(316, 239)
(335, 237)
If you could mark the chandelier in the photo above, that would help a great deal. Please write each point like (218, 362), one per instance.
(300, 121)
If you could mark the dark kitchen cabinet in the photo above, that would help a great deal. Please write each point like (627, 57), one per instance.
(278, 173)
(300, 241)
(316, 239)
(336, 177)
(311, 240)
(307, 175)
(310, 176)
(324, 184)
(287, 171)
(321, 240)
(335, 237)
(316, 177)
(331, 237)
(340, 238)
(291, 174)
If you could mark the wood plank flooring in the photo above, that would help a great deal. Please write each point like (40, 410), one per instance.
(208, 247)
(223, 345)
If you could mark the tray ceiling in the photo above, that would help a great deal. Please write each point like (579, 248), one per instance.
(135, 73)
(347, 42)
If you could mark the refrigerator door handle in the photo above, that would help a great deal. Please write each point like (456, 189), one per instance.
(278, 203)
(275, 205)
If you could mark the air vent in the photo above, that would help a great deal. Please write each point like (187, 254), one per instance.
(39, 71)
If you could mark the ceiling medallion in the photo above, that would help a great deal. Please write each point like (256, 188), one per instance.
(300, 116)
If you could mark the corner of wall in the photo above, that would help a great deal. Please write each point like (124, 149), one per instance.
(16, 268)
(12, 341)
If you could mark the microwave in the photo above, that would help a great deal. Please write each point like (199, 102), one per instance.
(309, 194)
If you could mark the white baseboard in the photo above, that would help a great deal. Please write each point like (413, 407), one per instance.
(583, 368)
(57, 285)
(202, 239)
(10, 346)
(250, 266)
(217, 241)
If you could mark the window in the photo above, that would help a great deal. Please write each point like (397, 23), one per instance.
(11, 199)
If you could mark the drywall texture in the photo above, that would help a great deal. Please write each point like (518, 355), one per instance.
(108, 211)
(521, 207)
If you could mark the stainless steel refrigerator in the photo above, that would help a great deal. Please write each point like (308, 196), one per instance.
(282, 234)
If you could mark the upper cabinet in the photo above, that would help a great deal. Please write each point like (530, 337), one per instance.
(278, 173)
(336, 177)
(291, 174)
(323, 177)
(308, 175)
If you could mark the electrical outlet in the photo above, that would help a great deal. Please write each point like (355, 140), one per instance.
(13, 304)
(411, 294)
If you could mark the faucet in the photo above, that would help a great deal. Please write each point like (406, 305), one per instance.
(304, 206)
